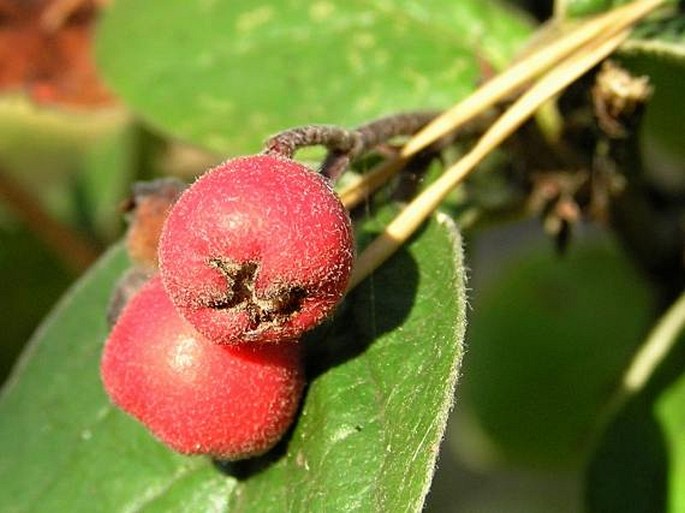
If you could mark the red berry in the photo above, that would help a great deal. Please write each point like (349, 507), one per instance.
(198, 397)
(259, 249)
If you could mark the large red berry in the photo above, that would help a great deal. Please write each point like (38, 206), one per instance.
(258, 249)
(198, 397)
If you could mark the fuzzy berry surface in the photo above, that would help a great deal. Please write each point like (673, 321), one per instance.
(258, 249)
(198, 397)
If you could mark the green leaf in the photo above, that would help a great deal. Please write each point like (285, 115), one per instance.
(382, 383)
(639, 462)
(372, 423)
(227, 74)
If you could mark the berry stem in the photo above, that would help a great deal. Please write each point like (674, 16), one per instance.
(383, 129)
(286, 143)
(345, 145)
(374, 133)
(353, 194)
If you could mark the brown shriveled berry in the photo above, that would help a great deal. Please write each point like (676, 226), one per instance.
(147, 209)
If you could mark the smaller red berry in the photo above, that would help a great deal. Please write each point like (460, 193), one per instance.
(230, 402)
(259, 249)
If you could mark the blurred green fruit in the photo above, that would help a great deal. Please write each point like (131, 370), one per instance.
(548, 340)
